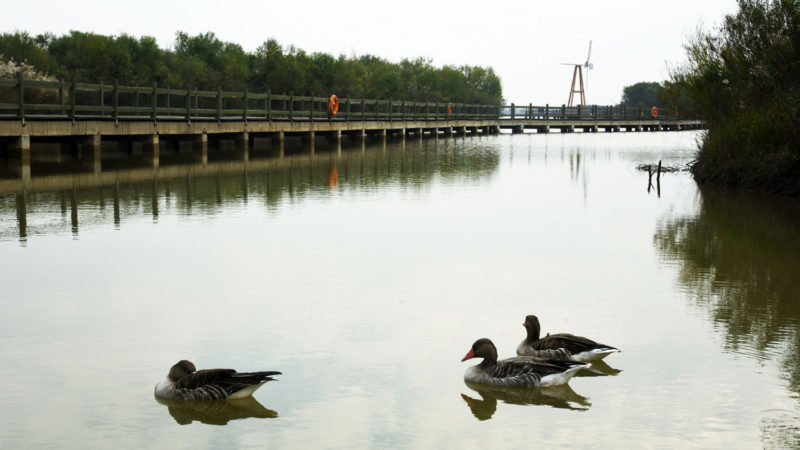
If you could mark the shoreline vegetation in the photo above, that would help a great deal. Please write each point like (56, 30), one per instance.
(743, 79)
(207, 63)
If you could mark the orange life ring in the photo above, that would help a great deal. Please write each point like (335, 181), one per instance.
(654, 112)
(449, 110)
(333, 105)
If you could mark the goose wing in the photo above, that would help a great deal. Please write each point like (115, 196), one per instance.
(217, 384)
(526, 371)
(574, 344)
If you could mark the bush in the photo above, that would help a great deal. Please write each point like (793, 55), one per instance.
(743, 80)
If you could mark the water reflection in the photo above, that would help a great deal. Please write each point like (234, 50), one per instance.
(738, 260)
(207, 189)
(598, 368)
(218, 412)
(556, 396)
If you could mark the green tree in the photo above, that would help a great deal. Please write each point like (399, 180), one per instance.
(645, 93)
(744, 79)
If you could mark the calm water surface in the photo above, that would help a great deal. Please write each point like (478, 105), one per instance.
(365, 276)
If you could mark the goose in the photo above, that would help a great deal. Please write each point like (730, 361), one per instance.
(580, 348)
(520, 371)
(185, 382)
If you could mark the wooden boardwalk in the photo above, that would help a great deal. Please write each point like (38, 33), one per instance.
(80, 117)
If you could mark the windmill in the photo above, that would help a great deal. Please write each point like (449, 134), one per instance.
(577, 75)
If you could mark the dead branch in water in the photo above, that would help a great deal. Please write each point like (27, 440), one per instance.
(653, 168)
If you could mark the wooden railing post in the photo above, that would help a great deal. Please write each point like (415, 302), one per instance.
(268, 104)
(21, 94)
(155, 100)
(311, 105)
(72, 91)
(61, 97)
(116, 100)
(291, 106)
(512, 111)
(188, 103)
(168, 103)
(547, 111)
(219, 103)
(563, 112)
(102, 100)
(244, 112)
(347, 109)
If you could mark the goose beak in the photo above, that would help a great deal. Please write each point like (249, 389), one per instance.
(469, 355)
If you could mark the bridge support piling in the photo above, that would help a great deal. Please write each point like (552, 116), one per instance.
(243, 146)
(638, 128)
(335, 137)
(150, 150)
(200, 147)
(19, 153)
(517, 129)
(448, 132)
(277, 142)
(91, 152)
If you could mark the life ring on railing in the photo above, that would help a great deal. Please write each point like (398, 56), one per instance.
(449, 110)
(333, 105)
(654, 112)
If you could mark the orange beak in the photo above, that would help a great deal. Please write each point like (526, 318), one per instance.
(469, 355)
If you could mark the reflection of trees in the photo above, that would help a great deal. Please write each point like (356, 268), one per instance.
(740, 259)
(196, 189)
(556, 396)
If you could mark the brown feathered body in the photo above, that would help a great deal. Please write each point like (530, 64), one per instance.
(184, 382)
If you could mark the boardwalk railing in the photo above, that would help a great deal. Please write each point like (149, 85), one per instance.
(585, 112)
(30, 99)
(34, 99)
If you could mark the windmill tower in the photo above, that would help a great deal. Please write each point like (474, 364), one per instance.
(577, 76)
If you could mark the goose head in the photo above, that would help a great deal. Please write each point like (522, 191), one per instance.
(180, 370)
(482, 348)
(532, 325)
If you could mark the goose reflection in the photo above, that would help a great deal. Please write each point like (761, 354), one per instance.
(215, 412)
(598, 368)
(561, 396)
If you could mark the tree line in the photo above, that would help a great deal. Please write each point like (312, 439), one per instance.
(205, 62)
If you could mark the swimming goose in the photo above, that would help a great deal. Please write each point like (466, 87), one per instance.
(521, 371)
(185, 382)
(581, 348)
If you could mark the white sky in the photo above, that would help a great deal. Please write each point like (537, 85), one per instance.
(524, 41)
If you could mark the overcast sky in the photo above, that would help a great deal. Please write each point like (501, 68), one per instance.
(524, 41)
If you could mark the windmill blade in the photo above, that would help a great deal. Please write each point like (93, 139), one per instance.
(589, 56)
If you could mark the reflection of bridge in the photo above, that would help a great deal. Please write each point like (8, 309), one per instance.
(80, 117)
(127, 187)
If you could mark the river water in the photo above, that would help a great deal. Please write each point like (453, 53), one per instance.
(365, 274)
